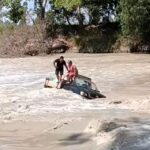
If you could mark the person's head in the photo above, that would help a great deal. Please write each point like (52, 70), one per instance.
(61, 58)
(69, 62)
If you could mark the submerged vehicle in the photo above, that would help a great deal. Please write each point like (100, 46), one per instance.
(81, 85)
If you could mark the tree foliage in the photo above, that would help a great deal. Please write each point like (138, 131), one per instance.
(15, 9)
(40, 6)
(97, 9)
(67, 4)
(100, 9)
(135, 17)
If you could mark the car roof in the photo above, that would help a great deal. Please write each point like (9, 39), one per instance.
(84, 78)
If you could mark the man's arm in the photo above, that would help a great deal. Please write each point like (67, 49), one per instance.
(54, 63)
(75, 71)
(66, 65)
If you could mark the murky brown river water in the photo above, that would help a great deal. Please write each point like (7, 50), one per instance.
(28, 112)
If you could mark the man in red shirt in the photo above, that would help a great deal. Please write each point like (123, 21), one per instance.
(72, 71)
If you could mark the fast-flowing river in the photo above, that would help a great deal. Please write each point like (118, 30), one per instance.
(123, 78)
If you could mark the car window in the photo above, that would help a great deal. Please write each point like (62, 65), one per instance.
(93, 86)
(83, 83)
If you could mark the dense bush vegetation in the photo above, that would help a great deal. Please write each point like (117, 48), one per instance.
(86, 21)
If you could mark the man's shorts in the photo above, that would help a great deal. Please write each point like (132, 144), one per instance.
(59, 72)
(71, 75)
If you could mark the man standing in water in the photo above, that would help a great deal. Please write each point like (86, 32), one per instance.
(59, 65)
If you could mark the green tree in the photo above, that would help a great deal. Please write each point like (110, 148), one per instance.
(97, 9)
(135, 17)
(15, 9)
(67, 4)
(100, 9)
(40, 6)
(70, 7)
(60, 15)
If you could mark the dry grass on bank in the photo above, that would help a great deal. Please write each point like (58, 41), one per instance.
(20, 41)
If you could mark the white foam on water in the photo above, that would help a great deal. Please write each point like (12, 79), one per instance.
(22, 93)
(22, 81)
(137, 137)
(25, 93)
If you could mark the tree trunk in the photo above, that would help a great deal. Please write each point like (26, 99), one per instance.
(41, 10)
(79, 17)
(67, 17)
(42, 6)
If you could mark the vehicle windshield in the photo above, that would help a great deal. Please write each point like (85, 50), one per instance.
(93, 87)
(85, 83)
